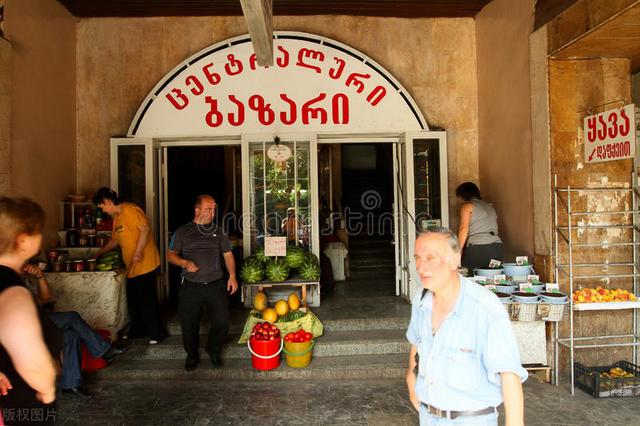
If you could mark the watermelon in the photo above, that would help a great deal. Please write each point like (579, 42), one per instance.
(295, 256)
(277, 270)
(251, 270)
(259, 254)
(310, 270)
(312, 258)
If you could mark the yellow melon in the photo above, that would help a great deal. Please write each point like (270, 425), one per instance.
(294, 301)
(282, 307)
(260, 301)
(270, 315)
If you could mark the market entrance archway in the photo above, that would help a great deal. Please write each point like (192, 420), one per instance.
(318, 91)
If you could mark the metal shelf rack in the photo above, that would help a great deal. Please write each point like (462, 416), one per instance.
(565, 234)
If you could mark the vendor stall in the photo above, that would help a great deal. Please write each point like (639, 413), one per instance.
(99, 297)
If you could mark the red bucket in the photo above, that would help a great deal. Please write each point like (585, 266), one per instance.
(90, 363)
(265, 354)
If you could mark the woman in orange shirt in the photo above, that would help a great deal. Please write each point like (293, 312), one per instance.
(131, 231)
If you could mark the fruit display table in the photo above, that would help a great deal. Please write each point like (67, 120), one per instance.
(99, 297)
(310, 290)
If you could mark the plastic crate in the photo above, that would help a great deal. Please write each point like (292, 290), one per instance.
(591, 381)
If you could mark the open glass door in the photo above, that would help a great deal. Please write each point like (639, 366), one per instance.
(424, 184)
(135, 176)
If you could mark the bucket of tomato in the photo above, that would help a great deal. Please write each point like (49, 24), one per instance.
(265, 346)
(298, 348)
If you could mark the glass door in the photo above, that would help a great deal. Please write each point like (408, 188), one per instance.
(135, 176)
(282, 200)
(425, 193)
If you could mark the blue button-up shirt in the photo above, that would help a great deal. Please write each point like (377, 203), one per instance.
(460, 366)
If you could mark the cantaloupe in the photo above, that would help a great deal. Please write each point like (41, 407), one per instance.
(282, 308)
(260, 301)
(294, 301)
(270, 315)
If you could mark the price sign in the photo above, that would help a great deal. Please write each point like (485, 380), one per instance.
(610, 135)
(500, 279)
(552, 288)
(526, 287)
(533, 279)
(494, 264)
(275, 246)
(522, 260)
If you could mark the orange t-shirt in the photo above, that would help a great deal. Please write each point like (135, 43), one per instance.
(127, 234)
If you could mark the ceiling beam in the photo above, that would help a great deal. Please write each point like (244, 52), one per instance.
(259, 17)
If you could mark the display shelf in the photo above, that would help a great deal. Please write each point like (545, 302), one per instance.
(606, 306)
(569, 235)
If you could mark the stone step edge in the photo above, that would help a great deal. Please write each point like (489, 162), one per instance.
(359, 367)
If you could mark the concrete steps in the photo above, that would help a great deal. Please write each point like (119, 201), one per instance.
(331, 344)
(358, 367)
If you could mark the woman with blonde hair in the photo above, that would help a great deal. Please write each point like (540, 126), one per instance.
(27, 341)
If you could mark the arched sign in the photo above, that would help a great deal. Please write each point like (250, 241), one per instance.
(315, 85)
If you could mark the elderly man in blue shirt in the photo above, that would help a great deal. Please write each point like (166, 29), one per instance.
(468, 361)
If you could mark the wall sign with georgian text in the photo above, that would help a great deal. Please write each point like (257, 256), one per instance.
(315, 85)
(610, 135)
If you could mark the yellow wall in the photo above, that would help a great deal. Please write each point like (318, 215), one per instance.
(120, 60)
(43, 162)
(5, 116)
(504, 119)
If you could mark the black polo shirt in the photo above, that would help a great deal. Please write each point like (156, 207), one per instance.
(203, 245)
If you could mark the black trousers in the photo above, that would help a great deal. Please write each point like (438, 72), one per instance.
(142, 299)
(479, 256)
(191, 301)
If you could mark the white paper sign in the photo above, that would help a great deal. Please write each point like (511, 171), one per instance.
(552, 288)
(498, 279)
(533, 279)
(275, 246)
(526, 287)
(522, 260)
(279, 153)
(610, 135)
(494, 264)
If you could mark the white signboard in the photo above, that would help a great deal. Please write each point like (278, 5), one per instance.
(275, 246)
(610, 135)
(316, 84)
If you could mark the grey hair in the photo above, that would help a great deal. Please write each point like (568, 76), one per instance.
(452, 239)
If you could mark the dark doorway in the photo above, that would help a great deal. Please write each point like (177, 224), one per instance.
(367, 190)
(213, 170)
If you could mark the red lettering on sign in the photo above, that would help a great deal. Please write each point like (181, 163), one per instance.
(613, 128)
(292, 111)
(198, 89)
(336, 73)
(314, 113)
(253, 59)
(266, 116)
(626, 126)
(376, 95)
(212, 77)
(213, 117)
(353, 80)
(591, 134)
(602, 133)
(183, 98)
(237, 118)
(284, 61)
(234, 66)
(312, 54)
(340, 108)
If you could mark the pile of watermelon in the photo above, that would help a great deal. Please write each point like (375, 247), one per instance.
(258, 266)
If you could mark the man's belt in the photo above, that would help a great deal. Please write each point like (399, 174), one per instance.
(184, 280)
(455, 414)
